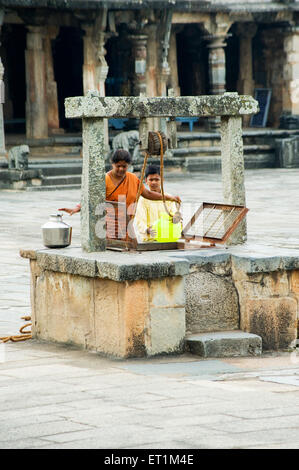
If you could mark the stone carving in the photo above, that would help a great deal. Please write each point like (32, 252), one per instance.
(18, 157)
(128, 141)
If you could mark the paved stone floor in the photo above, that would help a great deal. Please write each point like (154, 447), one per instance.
(60, 397)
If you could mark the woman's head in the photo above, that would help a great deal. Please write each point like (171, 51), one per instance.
(121, 160)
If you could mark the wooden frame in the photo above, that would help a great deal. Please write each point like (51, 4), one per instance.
(242, 211)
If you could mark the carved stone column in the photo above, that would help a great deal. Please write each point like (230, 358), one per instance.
(139, 49)
(53, 115)
(3, 161)
(217, 73)
(217, 26)
(101, 66)
(36, 91)
(246, 32)
(89, 54)
(290, 98)
(173, 63)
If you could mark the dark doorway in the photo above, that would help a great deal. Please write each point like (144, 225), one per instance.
(119, 59)
(192, 58)
(232, 53)
(13, 57)
(68, 69)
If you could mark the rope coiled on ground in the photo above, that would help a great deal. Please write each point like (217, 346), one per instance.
(24, 334)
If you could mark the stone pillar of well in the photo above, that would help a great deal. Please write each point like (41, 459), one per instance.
(246, 32)
(232, 164)
(3, 160)
(53, 114)
(290, 98)
(139, 51)
(36, 89)
(93, 193)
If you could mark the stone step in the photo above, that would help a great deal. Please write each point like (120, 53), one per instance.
(54, 188)
(61, 180)
(215, 150)
(235, 343)
(57, 168)
(207, 163)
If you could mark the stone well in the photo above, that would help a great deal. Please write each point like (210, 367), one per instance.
(129, 305)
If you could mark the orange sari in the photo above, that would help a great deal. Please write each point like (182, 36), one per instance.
(128, 188)
(117, 217)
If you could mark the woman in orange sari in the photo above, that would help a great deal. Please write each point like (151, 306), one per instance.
(122, 183)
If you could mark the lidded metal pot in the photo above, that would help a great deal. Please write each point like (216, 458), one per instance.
(56, 233)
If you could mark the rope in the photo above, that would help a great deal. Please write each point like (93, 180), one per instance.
(162, 173)
(23, 336)
(140, 184)
(176, 218)
(177, 215)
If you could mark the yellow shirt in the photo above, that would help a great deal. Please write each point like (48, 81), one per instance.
(147, 213)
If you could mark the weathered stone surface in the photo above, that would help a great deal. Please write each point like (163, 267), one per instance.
(274, 319)
(264, 263)
(19, 179)
(232, 164)
(211, 303)
(93, 231)
(108, 265)
(64, 309)
(93, 105)
(119, 319)
(295, 282)
(167, 316)
(225, 344)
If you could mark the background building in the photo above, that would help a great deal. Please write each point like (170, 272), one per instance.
(53, 49)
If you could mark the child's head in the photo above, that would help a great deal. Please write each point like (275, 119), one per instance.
(153, 178)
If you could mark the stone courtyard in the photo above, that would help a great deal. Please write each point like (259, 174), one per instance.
(73, 399)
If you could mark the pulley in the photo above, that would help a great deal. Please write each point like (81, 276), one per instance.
(154, 143)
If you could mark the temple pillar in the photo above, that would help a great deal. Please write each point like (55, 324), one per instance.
(290, 89)
(139, 50)
(152, 60)
(246, 32)
(217, 27)
(53, 114)
(173, 64)
(89, 54)
(217, 73)
(102, 66)
(36, 89)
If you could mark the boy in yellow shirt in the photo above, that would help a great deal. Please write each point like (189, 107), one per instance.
(148, 212)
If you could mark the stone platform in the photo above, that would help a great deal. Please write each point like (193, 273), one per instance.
(131, 305)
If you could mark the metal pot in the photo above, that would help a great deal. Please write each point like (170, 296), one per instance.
(56, 233)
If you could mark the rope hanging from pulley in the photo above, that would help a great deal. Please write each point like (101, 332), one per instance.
(157, 145)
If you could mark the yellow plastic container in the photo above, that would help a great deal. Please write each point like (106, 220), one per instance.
(166, 230)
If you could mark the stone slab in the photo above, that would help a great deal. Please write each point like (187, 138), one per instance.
(202, 368)
(108, 265)
(93, 105)
(225, 344)
(133, 266)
